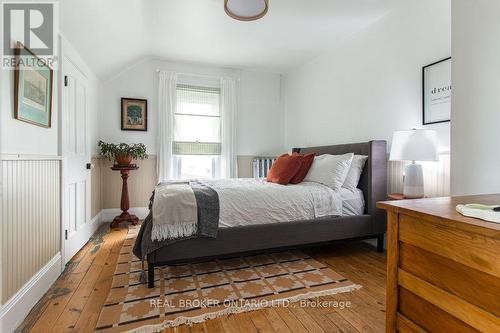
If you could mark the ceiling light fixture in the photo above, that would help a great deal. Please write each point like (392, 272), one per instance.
(246, 10)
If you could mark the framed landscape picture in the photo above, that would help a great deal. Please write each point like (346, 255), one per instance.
(33, 89)
(134, 114)
(436, 92)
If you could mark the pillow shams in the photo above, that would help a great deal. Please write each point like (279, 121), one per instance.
(355, 171)
(330, 170)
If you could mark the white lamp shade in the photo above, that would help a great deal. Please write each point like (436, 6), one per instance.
(246, 10)
(414, 145)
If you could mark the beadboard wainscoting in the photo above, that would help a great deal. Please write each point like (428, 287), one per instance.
(245, 166)
(30, 228)
(436, 176)
(96, 184)
(106, 186)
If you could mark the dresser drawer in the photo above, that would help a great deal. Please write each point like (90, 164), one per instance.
(474, 250)
(472, 285)
(448, 280)
(426, 316)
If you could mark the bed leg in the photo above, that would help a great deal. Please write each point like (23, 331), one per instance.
(151, 275)
(380, 243)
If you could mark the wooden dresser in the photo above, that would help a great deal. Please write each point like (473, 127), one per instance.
(443, 269)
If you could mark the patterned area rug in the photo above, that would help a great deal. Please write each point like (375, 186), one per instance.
(193, 293)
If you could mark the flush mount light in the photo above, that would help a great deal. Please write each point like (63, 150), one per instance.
(246, 10)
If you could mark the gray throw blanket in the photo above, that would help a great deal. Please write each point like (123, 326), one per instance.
(207, 201)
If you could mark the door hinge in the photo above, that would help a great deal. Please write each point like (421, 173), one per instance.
(66, 234)
(66, 81)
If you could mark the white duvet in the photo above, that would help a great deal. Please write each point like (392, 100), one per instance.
(247, 201)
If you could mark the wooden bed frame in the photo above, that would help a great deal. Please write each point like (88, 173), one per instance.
(257, 238)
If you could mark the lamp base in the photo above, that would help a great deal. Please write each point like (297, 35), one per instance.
(413, 182)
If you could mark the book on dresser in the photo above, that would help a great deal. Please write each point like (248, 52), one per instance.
(443, 269)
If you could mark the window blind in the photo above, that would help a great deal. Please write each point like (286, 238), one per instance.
(197, 121)
(196, 148)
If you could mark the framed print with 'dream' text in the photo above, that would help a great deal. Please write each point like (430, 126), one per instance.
(33, 88)
(436, 91)
(134, 114)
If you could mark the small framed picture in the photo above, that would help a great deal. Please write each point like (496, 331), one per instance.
(436, 92)
(134, 114)
(33, 88)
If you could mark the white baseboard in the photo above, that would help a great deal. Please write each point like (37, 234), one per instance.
(97, 218)
(18, 306)
(107, 215)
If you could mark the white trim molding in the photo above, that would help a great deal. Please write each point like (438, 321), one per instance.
(18, 306)
(29, 157)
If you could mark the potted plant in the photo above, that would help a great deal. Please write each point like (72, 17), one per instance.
(122, 153)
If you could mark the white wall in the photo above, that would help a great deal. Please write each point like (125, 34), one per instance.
(19, 137)
(260, 115)
(371, 84)
(475, 163)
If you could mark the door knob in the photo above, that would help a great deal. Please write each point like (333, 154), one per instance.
(90, 166)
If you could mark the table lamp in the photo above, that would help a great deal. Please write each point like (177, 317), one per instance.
(414, 145)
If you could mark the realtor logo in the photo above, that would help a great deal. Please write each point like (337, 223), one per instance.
(32, 24)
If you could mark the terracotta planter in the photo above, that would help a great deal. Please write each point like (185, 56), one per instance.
(123, 160)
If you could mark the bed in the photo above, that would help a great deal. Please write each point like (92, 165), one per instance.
(360, 219)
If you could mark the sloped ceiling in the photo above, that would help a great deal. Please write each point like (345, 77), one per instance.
(112, 33)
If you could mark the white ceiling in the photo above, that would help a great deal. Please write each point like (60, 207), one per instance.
(110, 34)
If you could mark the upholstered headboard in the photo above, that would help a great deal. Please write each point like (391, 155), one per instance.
(373, 180)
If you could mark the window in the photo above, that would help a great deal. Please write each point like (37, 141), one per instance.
(196, 145)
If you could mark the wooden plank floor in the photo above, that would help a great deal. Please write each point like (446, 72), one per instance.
(74, 301)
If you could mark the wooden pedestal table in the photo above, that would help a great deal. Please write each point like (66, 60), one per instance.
(125, 204)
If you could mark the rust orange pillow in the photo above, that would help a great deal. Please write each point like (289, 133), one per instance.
(284, 169)
(306, 162)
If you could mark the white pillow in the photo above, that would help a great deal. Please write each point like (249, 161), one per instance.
(357, 165)
(330, 170)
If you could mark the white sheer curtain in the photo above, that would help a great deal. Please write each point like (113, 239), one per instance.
(228, 110)
(166, 109)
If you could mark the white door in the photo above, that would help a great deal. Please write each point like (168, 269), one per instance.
(76, 154)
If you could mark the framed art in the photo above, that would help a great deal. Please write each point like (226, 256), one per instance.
(134, 114)
(436, 92)
(33, 88)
